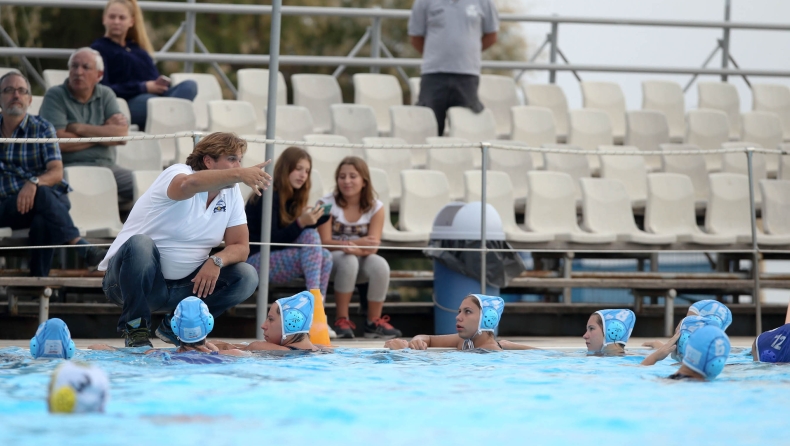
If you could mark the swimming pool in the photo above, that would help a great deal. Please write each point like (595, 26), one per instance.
(381, 397)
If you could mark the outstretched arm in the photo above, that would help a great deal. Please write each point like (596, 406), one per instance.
(423, 342)
(507, 345)
(663, 351)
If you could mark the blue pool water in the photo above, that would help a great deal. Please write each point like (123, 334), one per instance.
(378, 397)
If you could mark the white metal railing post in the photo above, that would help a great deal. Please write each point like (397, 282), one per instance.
(483, 190)
(755, 253)
(725, 41)
(375, 41)
(189, 66)
(669, 313)
(553, 52)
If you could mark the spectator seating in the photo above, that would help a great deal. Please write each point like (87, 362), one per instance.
(692, 166)
(169, 115)
(256, 154)
(576, 166)
(326, 159)
(773, 98)
(737, 163)
(378, 178)
(708, 129)
(35, 105)
(414, 89)
(379, 91)
(317, 92)
(784, 163)
(551, 209)
(124, 106)
(534, 126)
(671, 210)
(317, 187)
(139, 154)
(425, 193)
(238, 117)
(764, 128)
(729, 212)
(476, 154)
(5, 233)
(499, 194)
(453, 163)
(629, 170)
(606, 96)
(141, 181)
(498, 93)
(208, 90)
(776, 206)
(292, 124)
(667, 97)
(55, 77)
(254, 88)
(392, 161)
(590, 129)
(515, 163)
(722, 96)
(647, 130)
(94, 200)
(354, 121)
(414, 124)
(607, 209)
(552, 97)
(474, 127)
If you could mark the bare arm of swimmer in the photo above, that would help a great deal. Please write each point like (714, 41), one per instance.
(264, 346)
(507, 345)
(663, 351)
(423, 342)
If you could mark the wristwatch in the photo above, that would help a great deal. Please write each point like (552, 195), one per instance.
(33, 180)
(217, 261)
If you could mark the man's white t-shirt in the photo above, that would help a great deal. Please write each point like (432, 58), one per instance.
(183, 231)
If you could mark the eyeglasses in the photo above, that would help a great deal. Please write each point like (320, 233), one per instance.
(10, 90)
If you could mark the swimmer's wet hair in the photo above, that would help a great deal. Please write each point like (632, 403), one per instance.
(199, 343)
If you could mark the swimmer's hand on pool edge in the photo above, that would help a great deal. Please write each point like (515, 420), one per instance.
(663, 351)
(652, 344)
(508, 345)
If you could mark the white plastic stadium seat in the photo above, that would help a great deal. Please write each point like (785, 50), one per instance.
(169, 115)
(380, 91)
(316, 187)
(722, 96)
(763, 128)
(671, 210)
(589, 130)
(53, 78)
(453, 163)
(737, 163)
(94, 200)
(515, 163)
(425, 193)
(414, 124)
(255, 154)
(647, 130)
(326, 159)
(354, 121)
(499, 194)
(607, 208)
(784, 163)
(141, 181)
(708, 129)
(5, 232)
(474, 152)
(317, 92)
(692, 166)
(254, 88)
(474, 127)
(629, 170)
(378, 178)
(607, 96)
(231, 116)
(551, 209)
(552, 97)
(534, 126)
(35, 105)
(667, 97)
(776, 206)
(774, 98)
(208, 89)
(293, 122)
(414, 89)
(498, 93)
(577, 166)
(124, 106)
(5, 70)
(392, 161)
(139, 155)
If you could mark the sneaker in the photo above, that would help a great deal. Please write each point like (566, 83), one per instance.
(332, 334)
(165, 333)
(137, 335)
(344, 328)
(381, 329)
(94, 256)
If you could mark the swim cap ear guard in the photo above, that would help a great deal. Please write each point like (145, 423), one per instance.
(617, 326)
(491, 308)
(707, 351)
(52, 340)
(714, 309)
(191, 320)
(296, 313)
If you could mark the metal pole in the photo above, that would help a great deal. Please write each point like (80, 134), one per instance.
(189, 67)
(553, 52)
(375, 41)
(484, 174)
(271, 122)
(669, 313)
(354, 51)
(567, 268)
(31, 71)
(755, 253)
(704, 64)
(170, 42)
(725, 41)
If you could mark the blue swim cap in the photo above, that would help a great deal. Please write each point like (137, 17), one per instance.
(689, 325)
(712, 308)
(617, 326)
(52, 340)
(491, 308)
(191, 321)
(706, 351)
(296, 313)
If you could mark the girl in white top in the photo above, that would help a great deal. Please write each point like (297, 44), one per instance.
(353, 234)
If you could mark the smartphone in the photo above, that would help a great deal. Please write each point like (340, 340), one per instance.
(327, 207)
(163, 80)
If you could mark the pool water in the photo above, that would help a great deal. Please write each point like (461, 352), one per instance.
(379, 397)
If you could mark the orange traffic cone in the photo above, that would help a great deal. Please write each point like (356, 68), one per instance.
(319, 331)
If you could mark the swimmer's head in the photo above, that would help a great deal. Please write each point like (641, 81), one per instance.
(78, 388)
(52, 340)
(712, 308)
(707, 351)
(609, 327)
(478, 313)
(192, 321)
(289, 316)
(689, 325)
(593, 335)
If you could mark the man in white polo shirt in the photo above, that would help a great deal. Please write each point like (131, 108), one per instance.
(162, 254)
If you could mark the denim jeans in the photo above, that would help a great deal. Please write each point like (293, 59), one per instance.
(138, 105)
(49, 222)
(134, 281)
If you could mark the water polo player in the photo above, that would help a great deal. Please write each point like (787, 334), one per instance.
(52, 341)
(608, 331)
(677, 344)
(705, 355)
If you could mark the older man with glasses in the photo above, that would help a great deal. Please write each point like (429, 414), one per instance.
(83, 108)
(32, 190)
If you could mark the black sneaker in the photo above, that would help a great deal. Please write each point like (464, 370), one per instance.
(381, 329)
(137, 335)
(94, 256)
(165, 332)
(344, 328)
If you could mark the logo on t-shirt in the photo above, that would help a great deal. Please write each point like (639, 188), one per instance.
(220, 207)
(472, 11)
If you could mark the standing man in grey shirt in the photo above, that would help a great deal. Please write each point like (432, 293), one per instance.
(451, 35)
